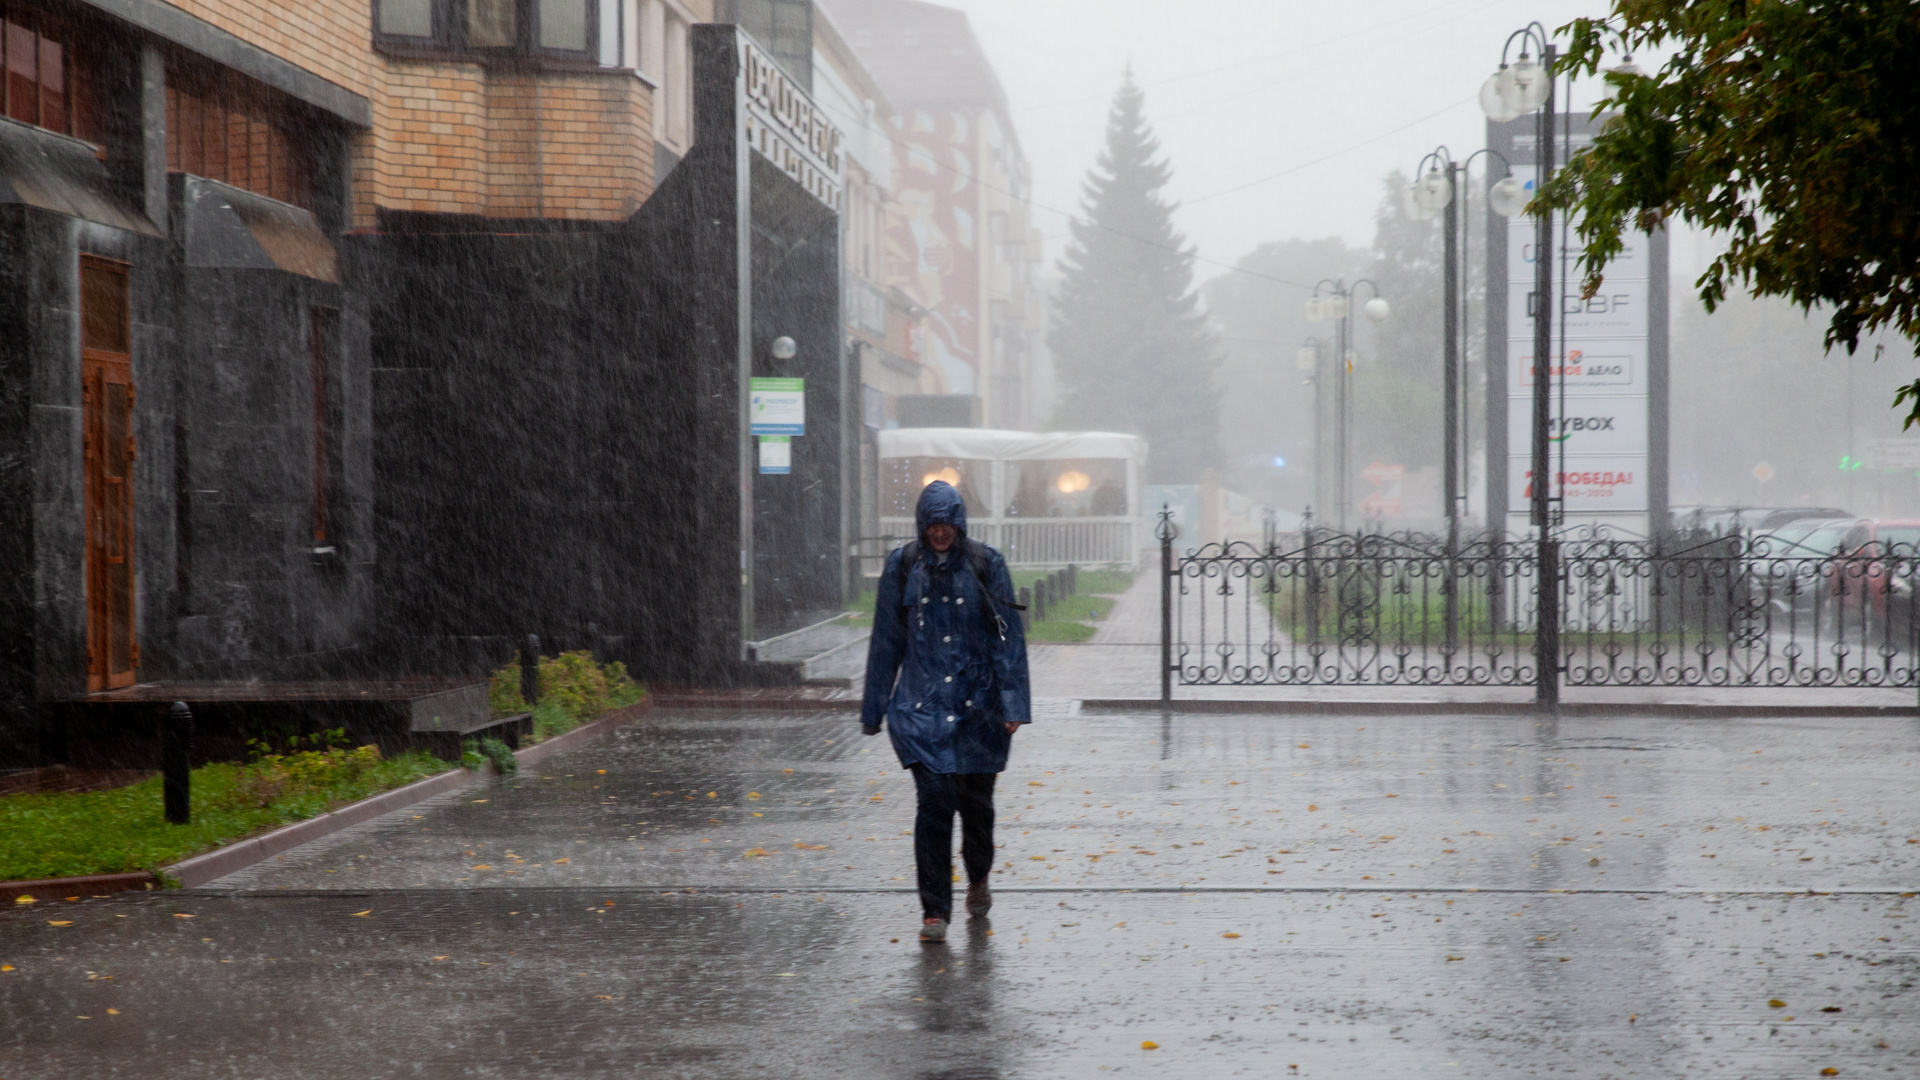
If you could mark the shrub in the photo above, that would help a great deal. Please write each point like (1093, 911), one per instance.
(476, 753)
(573, 688)
(272, 778)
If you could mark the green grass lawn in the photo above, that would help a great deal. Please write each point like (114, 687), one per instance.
(122, 830)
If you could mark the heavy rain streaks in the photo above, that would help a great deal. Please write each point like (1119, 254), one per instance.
(1248, 892)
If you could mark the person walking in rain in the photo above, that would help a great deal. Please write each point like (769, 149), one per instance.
(947, 673)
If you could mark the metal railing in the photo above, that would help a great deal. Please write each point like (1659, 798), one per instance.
(1411, 610)
(1050, 542)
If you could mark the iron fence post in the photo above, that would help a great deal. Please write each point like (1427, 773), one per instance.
(1166, 532)
(1546, 635)
(1313, 578)
(176, 764)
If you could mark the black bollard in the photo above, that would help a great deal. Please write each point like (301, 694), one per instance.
(530, 670)
(1041, 595)
(176, 750)
(1073, 581)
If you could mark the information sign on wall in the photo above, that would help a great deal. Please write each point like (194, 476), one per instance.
(776, 454)
(778, 407)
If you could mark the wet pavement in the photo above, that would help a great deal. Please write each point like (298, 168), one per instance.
(715, 895)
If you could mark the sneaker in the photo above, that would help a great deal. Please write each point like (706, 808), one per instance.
(979, 899)
(933, 930)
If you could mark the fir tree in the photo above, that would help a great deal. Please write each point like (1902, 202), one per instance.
(1130, 345)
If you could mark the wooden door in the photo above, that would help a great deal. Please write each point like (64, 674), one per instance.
(106, 372)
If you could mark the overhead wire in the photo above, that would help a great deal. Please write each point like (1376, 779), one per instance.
(1267, 59)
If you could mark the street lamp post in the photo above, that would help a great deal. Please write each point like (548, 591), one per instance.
(1337, 305)
(1511, 92)
(1436, 186)
(1309, 361)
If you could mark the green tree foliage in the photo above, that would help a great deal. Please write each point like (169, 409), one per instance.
(1396, 375)
(1792, 128)
(1132, 349)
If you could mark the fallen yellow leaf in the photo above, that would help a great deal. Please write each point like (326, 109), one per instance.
(1149, 1045)
(753, 794)
(113, 1012)
(363, 914)
(1828, 1071)
(479, 800)
(181, 915)
(1229, 934)
(1035, 783)
(603, 997)
(786, 770)
(563, 860)
(1776, 1003)
(713, 794)
(1036, 858)
(6, 967)
(439, 958)
(809, 847)
(756, 853)
(1310, 806)
(1304, 746)
(25, 900)
(59, 922)
(1451, 959)
(483, 866)
(600, 772)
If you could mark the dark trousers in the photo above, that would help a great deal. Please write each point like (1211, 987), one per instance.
(941, 796)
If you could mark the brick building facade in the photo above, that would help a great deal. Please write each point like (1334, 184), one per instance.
(355, 337)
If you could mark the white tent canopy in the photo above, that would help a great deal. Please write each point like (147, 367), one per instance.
(1049, 498)
(992, 444)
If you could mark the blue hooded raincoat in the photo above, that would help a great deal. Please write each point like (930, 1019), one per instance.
(942, 670)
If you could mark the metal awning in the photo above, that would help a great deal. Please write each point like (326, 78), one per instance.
(55, 172)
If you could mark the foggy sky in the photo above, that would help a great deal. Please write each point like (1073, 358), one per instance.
(1239, 90)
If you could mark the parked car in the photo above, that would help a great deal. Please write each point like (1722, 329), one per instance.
(1777, 518)
(1872, 580)
(1709, 521)
(1792, 561)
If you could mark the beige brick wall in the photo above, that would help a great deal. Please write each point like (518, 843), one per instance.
(455, 138)
(331, 38)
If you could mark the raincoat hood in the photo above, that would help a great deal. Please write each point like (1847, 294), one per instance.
(940, 504)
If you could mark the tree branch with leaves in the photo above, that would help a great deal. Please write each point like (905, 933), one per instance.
(1792, 129)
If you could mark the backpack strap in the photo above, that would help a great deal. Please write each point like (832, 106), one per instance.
(977, 559)
(976, 556)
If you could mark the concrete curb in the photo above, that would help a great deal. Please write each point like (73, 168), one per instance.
(237, 856)
(60, 888)
(794, 702)
(1660, 710)
(585, 733)
(201, 869)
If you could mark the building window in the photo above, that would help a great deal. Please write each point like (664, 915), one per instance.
(44, 79)
(229, 128)
(558, 28)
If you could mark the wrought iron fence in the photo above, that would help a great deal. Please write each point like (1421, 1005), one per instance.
(1415, 610)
